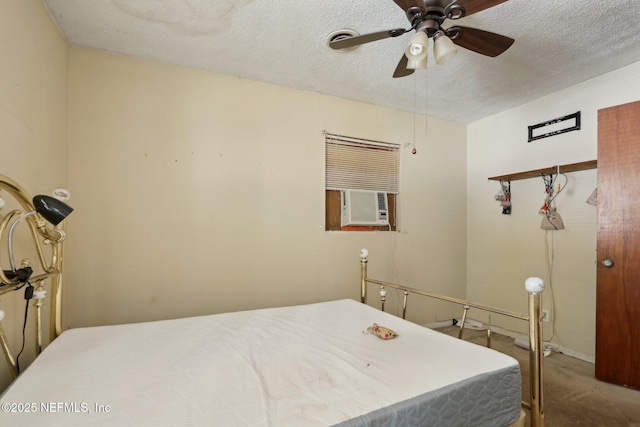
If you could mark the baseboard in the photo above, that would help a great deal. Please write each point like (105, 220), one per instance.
(472, 324)
(521, 340)
(437, 325)
(577, 354)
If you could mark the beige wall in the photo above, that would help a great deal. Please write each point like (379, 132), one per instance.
(33, 129)
(503, 250)
(200, 193)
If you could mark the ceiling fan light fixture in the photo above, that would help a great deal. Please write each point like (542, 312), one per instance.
(443, 48)
(416, 51)
(417, 64)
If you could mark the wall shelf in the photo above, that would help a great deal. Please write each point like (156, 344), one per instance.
(573, 167)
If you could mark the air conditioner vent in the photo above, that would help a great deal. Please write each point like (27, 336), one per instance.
(382, 201)
(364, 207)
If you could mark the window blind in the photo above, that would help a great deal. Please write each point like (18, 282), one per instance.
(360, 164)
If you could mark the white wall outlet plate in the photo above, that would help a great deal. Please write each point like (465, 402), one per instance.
(546, 317)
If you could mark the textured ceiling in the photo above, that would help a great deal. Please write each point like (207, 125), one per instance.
(558, 43)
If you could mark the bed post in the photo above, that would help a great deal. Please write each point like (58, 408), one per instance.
(363, 275)
(55, 314)
(535, 286)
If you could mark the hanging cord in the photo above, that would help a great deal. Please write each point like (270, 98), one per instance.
(552, 188)
(549, 260)
(426, 109)
(415, 112)
(548, 201)
(550, 182)
(28, 295)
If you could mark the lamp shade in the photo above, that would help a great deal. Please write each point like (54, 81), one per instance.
(51, 209)
(416, 51)
(443, 48)
(415, 64)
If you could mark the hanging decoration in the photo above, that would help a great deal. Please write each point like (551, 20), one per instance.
(504, 197)
(552, 219)
(593, 198)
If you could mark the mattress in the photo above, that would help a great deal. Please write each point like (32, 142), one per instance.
(310, 365)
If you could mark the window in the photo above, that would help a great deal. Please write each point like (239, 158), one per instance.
(358, 164)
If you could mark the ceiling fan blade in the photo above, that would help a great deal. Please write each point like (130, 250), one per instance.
(475, 6)
(346, 42)
(401, 69)
(406, 4)
(480, 41)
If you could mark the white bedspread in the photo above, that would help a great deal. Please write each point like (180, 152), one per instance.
(293, 366)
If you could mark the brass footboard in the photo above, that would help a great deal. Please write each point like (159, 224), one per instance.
(534, 286)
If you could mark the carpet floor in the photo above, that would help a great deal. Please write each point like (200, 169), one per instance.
(572, 395)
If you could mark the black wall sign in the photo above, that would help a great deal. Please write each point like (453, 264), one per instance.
(535, 131)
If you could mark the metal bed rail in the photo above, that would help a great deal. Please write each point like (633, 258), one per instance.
(534, 287)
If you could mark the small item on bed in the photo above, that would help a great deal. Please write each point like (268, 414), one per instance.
(382, 332)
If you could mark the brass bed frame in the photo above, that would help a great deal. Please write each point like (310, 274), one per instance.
(534, 287)
(51, 261)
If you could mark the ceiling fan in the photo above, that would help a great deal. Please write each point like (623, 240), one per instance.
(426, 18)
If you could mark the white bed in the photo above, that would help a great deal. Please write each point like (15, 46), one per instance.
(312, 365)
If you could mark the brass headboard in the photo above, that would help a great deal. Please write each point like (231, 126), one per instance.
(43, 215)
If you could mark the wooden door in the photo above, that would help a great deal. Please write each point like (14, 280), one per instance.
(618, 272)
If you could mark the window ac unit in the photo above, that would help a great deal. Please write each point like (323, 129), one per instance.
(364, 207)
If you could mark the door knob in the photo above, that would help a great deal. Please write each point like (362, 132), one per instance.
(607, 262)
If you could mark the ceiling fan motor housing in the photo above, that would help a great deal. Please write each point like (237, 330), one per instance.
(429, 25)
(430, 18)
